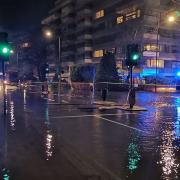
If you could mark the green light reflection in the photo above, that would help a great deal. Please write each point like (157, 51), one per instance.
(133, 157)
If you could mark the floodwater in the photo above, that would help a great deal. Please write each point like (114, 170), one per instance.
(43, 140)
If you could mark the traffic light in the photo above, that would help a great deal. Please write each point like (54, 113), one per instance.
(4, 49)
(44, 72)
(4, 46)
(46, 68)
(132, 55)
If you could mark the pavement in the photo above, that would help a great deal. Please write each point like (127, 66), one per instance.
(115, 105)
(73, 138)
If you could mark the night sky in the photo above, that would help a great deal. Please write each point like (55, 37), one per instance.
(22, 15)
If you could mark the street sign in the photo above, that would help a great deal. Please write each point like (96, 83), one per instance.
(150, 54)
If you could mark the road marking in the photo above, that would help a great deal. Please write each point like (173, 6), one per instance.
(65, 101)
(87, 115)
(32, 92)
(51, 100)
(114, 122)
(69, 117)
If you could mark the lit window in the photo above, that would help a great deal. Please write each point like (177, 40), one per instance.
(111, 50)
(120, 19)
(25, 45)
(133, 15)
(138, 13)
(98, 53)
(153, 63)
(150, 47)
(99, 14)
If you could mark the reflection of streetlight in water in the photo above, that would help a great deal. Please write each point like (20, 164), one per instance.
(49, 137)
(49, 146)
(168, 160)
(12, 116)
(24, 96)
(177, 124)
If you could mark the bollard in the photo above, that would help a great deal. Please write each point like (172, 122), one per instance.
(104, 94)
(132, 98)
(44, 88)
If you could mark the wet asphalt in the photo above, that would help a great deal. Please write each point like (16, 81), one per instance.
(75, 140)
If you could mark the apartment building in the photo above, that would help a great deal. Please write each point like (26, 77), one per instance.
(89, 28)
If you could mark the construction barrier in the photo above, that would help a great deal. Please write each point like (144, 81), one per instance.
(98, 86)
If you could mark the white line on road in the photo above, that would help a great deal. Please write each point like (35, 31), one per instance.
(69, 117)
(65, 101)
(88, 115)
(111, 121)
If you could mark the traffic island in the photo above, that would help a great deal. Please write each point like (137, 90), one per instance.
(106, 103)
(122, 107)
(107, 107)
(135, 108)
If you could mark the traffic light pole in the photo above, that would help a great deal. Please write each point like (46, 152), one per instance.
(4, 54)
(131, 77)
(4, 87)
(132, 92)
(132, 58)
(59, 59)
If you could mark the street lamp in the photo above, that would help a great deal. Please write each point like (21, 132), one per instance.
(169, 19)
(49, 34)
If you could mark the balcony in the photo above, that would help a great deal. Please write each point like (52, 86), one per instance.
(50, 19)
(67, 20)
(67, 10)
(169, 56)
(84, 49)
(85, 38)
(88, 61)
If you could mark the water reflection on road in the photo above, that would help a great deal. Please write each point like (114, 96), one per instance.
(49, 136)
(133, 146)
(168, 159)
(12, 116)
(167, 120)
(134, 156)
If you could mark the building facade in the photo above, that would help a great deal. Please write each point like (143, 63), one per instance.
(89, 28)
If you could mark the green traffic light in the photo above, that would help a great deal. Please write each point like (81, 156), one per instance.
(135, 57)
(5, 50)
(177, 13)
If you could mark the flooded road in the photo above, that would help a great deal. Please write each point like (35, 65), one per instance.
(42, 140)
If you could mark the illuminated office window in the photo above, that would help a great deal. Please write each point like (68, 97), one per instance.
(98, 53)
(25, 45)
(99, 14)
(138, 13)
(151, 63)
(120, 19)
(133, 15)
(150, 47)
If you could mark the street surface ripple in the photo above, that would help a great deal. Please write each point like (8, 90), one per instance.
(40, 140)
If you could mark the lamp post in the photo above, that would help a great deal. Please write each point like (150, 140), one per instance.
(157, 48)
(170, 19)
(49, 34)
(12, 52)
